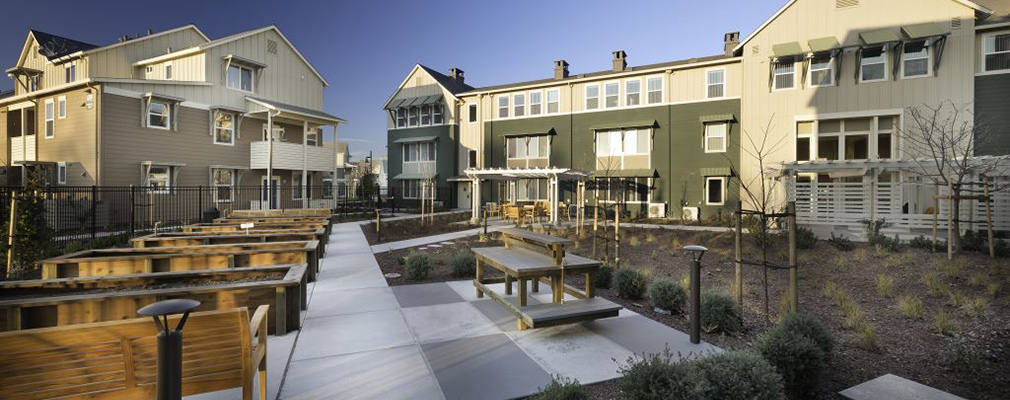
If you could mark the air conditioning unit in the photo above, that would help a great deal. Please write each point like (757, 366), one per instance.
(690, 213)
(657, 210)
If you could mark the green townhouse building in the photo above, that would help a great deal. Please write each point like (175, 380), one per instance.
(660, 138)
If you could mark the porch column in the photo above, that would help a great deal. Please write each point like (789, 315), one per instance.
(333, 182)
(305, 163)
(475, 187)
(554, 199)
(270, 162)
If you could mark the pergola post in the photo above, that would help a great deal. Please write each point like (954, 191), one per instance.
(475, 212)
(270, 162)
(554, 199)
(305, 165)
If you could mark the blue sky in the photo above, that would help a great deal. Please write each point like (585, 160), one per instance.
(365, 48)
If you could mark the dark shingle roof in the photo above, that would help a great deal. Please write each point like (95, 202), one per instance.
(447, 82)
(54, 47)
(1000, 8)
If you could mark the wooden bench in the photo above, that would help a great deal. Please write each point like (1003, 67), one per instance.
(118, 360)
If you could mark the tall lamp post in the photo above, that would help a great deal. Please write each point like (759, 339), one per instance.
(696, 253)
(169, 344)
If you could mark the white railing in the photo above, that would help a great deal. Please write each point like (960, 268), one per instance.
(18, 150)
(289, 156)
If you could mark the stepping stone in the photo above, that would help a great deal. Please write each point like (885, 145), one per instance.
(894, 387)
(392, 275)
(446, 243)
(434, 246)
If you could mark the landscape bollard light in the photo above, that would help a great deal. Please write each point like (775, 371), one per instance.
(169, 344)
(696, 253)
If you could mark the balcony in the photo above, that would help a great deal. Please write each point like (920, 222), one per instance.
(289, 156)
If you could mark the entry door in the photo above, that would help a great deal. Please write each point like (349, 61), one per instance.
(271, 194)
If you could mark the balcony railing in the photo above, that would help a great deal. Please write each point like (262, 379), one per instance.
(289, 156)
(18, 150)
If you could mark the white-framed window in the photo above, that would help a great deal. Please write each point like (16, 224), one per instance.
(915, 59)
(536, 102)
(224, 128)
(873, 64)
(240, 78)
(633, 190)
(61, 173)
(885, 136)
(715, 137)
(50, 119)
(159, 178)
(503, 106)
(224, 183)
(553, 101)
(472, 113)
(159, 115)
(715, 83)
(805, 133)
(312, 137)
(715, 190)
(401, 117)
(654, 87)
(425, 115)
(846, 139)
(996, 52)
(626, 142)
(61, 107)
(419, 152)
(437, 115)
(411, 188)
(528, 147)
(784, 74)
(168, 71)
(632, 92)
(327, 188)
(518, 104)
(70, 73)
(412, 114)
(532, 189)
(822, 70)
(592, 97)
(279, 134)
(612, 94)
(149, 71)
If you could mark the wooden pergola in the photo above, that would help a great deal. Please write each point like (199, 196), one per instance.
(554, 176)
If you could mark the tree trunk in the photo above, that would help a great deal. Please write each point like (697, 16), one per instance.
(956, 206)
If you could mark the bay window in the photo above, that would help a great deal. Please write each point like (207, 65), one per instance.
(623, 148)
(873, 64)
(526, 147)
(632, 92)
(996, 52)
(418, 152)
(915, 60)
(628, 190)
(822, 71)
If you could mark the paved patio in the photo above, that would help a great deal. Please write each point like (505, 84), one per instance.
(362, 339)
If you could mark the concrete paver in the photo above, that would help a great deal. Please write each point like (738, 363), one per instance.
(343, 334)
(447, 321)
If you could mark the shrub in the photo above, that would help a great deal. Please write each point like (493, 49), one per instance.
(841, 243)
(796, 357)
(896, 261)
(656, 377)
(924, 243)
(866, 338)
(811, 327)
(956, 298)
(974, 242)
(631, 284)
(872, 230)
(953, 268)
(604, 277)
(911, 306)
(562, 388)
(976, 306)
(740, 375)
(805, 238)
(934, 285)
(884, 285)
(668, 295)
(719, 313)
(418, 266)
(463, 264)
(978, 279)
(942, 323)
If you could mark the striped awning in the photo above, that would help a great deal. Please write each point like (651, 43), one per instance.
(925, 30)
(879, 36)
(790, 49)
(824, 44)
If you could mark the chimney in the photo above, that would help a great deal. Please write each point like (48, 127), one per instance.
(620, 60)
(456, 74)
(560, 69)
(731, 40)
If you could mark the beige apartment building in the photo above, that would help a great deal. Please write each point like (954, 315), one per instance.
(171, 109)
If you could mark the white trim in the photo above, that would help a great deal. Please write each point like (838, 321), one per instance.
(991, 26)
(421, 126)
(547, 102)
(604, 95)
(137, 95)
(725, 82)
(252, 78)
(929, 60)
(645, 90)
(585, 96)
(61, 180)
(169, 56)
(529, 103)
(169, 70)
(725, 137)
(152, 82)
(625, 93)
(515, 104)
(168, 115)
(674, 103)
(831, 71)
(507, 107)
(61, 107)
(407, 78)
(983, 54)
(775, 78)
(472, 113)
(852, 114)
(722, 190)
(887, 65)
(214, 185)
(46, 119)
(234, 120)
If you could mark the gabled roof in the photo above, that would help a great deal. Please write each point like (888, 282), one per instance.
(448, 83)
(237, 36)
(68, 47)
(53, 46)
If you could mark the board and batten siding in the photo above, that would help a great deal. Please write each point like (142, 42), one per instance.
(117, 60)
(190, 68)
(419, 83)
(53, 75)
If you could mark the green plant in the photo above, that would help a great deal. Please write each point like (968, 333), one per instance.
(866, 338)
(994, 289)
(841, 242)
(762, 237)
(719, 313)
(956, 298)
(911, 306)
(923, 243)
(796, 357)
(631, 284)
(975, 307)
(942, 323)
(953, 268)
(604, 277)
(657, 377)
(668, 295)
(811, 327)
(463, 264)
(562, 388)
(934, 285)
(885, 284)
(805, 238)
(878, 240)
(897, 261)
(737, 375)
(33, 238)
(974, 241)
(978, 279)
(418, 266)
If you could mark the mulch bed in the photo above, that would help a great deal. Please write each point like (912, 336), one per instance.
(391, 261)
(397, 230)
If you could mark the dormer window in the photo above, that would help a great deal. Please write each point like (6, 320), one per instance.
(240, 78)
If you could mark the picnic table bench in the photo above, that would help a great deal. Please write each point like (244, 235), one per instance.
(529, 256)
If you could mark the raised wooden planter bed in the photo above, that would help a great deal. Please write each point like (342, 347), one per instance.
(44, 303)
(257, 227)
(322, 233)
(103, 262)
(176, 239)
(287, 212)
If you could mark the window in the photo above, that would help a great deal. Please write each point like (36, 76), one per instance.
(873, 65)
(633, 190)
(503, 106)
(472, 113)
(224, 128)
(168, 71)
(71, 73)
(518, 105)
(536, 102)
(612, 91)
(471, 157)
(33, 83)
(715, 81)
(822, 70)
(715, 137)
(804, 131)
(327, 188)
(714, 188)
(50, 123)
(784, 74)
(632, 92)
(437, 116)
(532, 189)
(61, 173)
(296, 186)
(524, 147)
(654, 85)
(615, 147)
(159, 178)
(885, 133)
(418, 152)
(996, 52)
(553, 101)
(279, 134)
(224, 181)
(411, 188)
(158, 115)
(413, 111)
(62, 106)
(401, 117)
(915, 59)
(240, 78)
(592, 97)
(425, 115)
(312, 137)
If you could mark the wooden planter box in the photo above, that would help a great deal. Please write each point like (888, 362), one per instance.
(127, 261)
(258, 227)
(322, 235)
(69, 301)
(177, 239)
(289, 212)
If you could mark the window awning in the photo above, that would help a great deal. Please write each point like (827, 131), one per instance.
(414, 175)
(626, 173)
(925, 30)
(625, 124)
(414, 101)
(233, 59)
(165, 97)
(824, 44)
(879, 36)
(416, 139)
(717, 118)
(527, 134)
(790, 49)
(717, 171)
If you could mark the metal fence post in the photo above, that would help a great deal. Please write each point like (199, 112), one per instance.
(199, 202)
(133, 210)
(94, 214)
